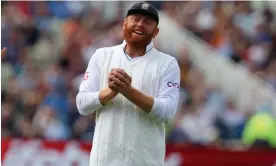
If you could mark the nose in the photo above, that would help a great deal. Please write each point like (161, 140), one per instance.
(140, 23)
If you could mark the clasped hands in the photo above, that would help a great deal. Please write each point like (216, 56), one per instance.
(119, 81)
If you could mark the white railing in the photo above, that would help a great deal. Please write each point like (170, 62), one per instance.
(246, 90)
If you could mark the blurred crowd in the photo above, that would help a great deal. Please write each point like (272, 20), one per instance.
(242, 35)
(50, 44)
(235, 30)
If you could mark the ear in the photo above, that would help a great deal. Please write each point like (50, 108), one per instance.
(156, 31)
(124, 23)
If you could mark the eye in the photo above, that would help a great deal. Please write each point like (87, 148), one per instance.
(136, 18)
(146, 21)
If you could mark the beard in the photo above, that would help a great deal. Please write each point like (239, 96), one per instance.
(138, 40)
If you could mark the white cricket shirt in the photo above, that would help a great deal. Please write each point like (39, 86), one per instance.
(125, 135)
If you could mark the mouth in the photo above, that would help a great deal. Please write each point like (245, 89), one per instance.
(139, 33)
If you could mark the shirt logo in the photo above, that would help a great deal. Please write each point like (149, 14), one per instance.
(86, 76)
(172, 84)
(145, 6)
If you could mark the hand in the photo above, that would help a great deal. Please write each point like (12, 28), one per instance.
(106, 95)
(3, 52)
(119, 80)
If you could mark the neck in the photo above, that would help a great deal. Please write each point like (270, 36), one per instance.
(135, 51)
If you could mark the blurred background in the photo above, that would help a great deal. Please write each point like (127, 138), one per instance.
(226, 52)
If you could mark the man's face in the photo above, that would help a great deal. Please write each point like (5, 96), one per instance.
(139, 29)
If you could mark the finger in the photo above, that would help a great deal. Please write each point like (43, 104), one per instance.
(112, 71)
(126, 76)
(118, 82)
(113, 86)
(110, 83)
(122, 78)
(122, 72)
(115, 72)
(111, 78)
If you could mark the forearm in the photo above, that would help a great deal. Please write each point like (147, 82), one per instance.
(89, 102)
(141, 100)
(162, 110)
(106, 95)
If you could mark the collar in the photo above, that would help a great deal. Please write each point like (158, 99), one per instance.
(149, 46)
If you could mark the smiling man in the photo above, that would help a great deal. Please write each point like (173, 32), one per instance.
(134, 90)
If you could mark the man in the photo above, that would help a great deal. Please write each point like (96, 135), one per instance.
(133, 88)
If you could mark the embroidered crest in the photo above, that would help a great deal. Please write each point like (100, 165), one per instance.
(145, 6)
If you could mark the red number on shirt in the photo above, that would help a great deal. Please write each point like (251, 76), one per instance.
(86, 76)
